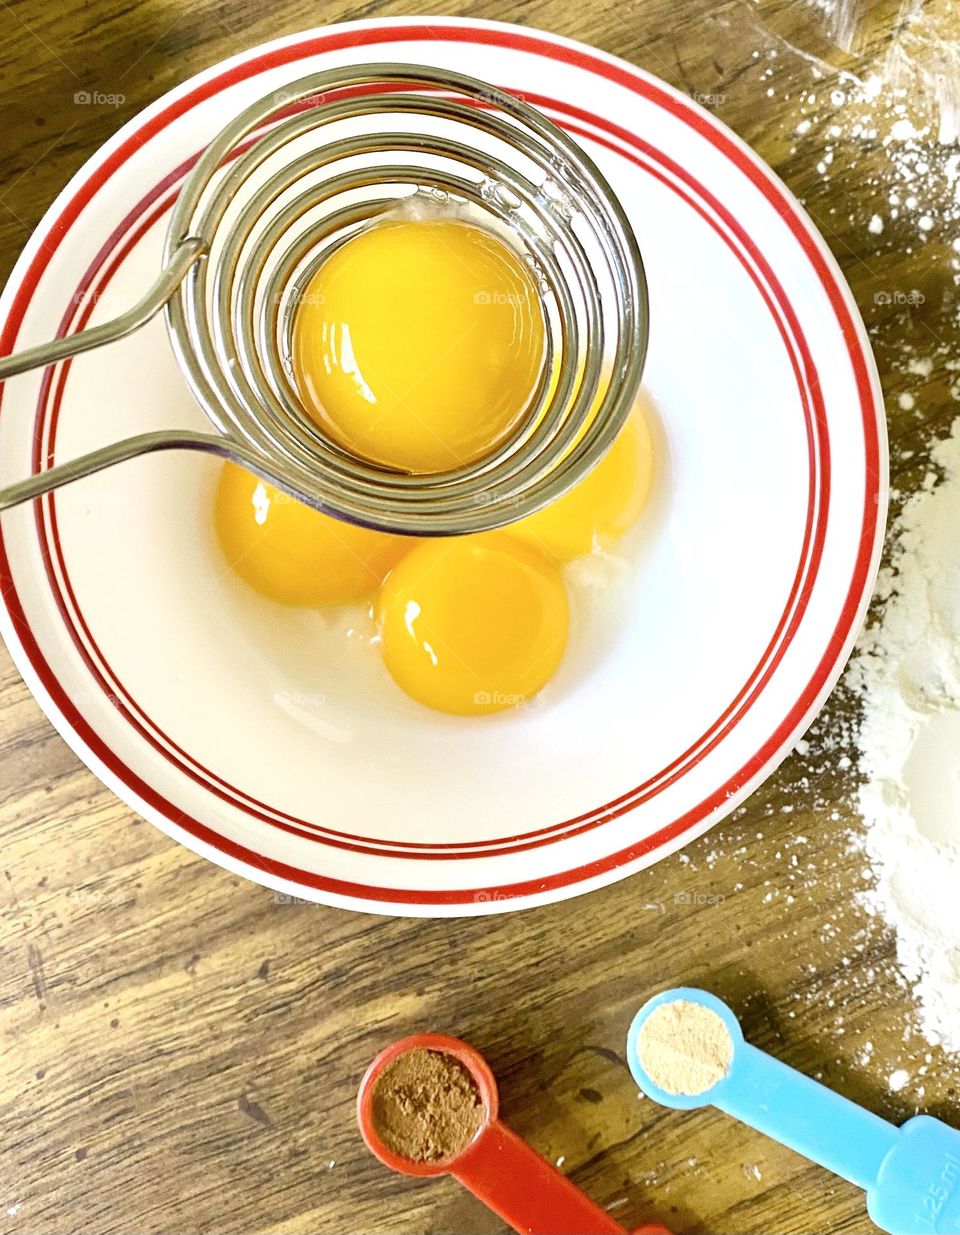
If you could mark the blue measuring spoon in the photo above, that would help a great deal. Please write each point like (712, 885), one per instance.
(911, 1174)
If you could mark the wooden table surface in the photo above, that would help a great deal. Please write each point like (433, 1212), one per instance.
(180, 1053)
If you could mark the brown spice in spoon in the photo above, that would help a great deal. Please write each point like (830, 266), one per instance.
(426, 1106)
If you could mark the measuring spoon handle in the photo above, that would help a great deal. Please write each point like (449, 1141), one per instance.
(800, 1112)
(503, 1171)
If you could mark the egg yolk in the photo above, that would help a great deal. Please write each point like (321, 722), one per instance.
(473, 624)
(602, 506)
(295, 554)
(419, 344)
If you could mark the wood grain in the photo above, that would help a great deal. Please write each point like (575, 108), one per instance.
(180, 1053)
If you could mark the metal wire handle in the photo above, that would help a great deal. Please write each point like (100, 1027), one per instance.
(292, 178)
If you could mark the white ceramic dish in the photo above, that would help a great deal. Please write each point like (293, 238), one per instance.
(225, 721)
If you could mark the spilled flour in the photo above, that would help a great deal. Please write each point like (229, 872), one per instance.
(907, 672)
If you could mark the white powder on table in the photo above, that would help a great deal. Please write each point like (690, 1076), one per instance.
(684, 1047)
(905, 113)
(907, 671)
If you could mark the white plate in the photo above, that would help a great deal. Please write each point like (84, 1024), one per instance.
(226, 721)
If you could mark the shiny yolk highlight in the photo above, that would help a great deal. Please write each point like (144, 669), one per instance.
(295, 554)
(609, 499)
(418, 344)
(473, 624)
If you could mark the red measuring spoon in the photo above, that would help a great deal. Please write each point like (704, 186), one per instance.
(497, 1166)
